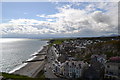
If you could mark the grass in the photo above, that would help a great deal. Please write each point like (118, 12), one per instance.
(41, 75)
(60, 40)
(15, 76)
(56, 42)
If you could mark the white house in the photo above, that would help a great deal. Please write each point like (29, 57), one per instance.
(73, 69)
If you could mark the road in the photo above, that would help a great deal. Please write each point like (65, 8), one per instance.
(48, 67)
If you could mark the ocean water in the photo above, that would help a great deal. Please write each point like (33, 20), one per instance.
(14, 51)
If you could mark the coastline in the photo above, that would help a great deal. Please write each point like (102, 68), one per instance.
(31, 69)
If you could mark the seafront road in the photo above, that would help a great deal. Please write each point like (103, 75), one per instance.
(33, 68)
(48, 67)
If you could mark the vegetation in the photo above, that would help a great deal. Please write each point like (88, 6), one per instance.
(59, 40)
(41, 75)
(110, 46)
(56, 42)
(15, 76)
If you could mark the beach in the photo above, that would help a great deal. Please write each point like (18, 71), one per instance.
(33, 68)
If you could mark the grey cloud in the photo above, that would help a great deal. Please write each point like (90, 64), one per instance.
(100, 17)
(68, 21)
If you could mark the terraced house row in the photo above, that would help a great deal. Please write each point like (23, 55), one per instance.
(100, 63)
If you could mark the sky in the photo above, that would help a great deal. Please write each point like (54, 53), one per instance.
(59, 19)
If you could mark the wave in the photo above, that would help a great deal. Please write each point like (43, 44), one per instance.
(37, 52)
(31, 58)
(24, 64)
(18, 67)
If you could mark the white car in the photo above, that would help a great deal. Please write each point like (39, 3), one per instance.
(53, 71)
(49, 67)
(45, 69)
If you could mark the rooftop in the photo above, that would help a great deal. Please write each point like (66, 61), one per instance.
(115, 59)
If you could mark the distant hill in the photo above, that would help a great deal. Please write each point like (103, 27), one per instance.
(112, 35)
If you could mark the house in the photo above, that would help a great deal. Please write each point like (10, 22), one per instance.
(112, 68)
(90, 73)
(56, 67)
(95, 71)
(73, 69)
(69, 69)
(99, 57)
(55, 50)
(62, 58)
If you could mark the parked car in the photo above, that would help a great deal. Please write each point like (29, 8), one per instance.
(49, 67)
(44, 69)
(53, 71)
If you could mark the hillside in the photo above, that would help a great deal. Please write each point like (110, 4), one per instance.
(83, 48)
(109, 48)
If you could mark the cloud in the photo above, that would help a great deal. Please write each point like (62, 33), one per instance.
(24, 21)
(43, 15)
(94, 19)
(49, 20)
(100, 17)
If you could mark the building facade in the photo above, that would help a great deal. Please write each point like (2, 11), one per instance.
(73, 69)
(112, 68)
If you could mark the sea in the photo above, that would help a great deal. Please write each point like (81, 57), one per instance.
(14, 51)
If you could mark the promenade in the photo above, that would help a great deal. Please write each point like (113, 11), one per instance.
(33, 68)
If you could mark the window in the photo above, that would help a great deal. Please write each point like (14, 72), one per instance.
(80, 65)
(67, 63)
(118, 74)
(119, 67)
(78, 71)
(72, 63)
(111, 73)
(108, 66)
(106, 71)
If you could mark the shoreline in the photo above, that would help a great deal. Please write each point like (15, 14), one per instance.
(31, 69)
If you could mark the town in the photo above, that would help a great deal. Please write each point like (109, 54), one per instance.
(90, 58)
(84, 58)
